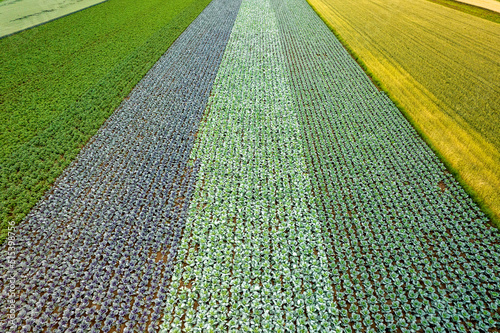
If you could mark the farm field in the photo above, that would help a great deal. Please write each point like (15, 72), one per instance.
(255, 179)
(488, 4)
(16, 15)
(61, 80)
(366, 252)
(96, 253)
(480, 12)
(443, 67)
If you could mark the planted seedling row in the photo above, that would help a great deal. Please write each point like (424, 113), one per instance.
(411, 251)
(253, 256)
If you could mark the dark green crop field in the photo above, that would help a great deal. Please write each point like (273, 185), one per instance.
(60, 82)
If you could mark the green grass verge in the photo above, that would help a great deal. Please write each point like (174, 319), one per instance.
(494, 219)
(470, 9)
(62, 80)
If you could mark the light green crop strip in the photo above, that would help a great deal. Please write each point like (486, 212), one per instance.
(252, 256)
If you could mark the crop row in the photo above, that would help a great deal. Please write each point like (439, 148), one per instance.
(411, 251)
(252, 257)
(96, 253)
(317, 206)
(254, 180)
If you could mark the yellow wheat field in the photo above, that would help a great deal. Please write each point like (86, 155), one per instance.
(443, 67)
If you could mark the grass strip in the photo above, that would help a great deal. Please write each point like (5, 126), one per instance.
(17, 16)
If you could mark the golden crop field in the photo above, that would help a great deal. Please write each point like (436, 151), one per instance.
(443, 67)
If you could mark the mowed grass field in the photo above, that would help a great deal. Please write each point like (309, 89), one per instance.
(61, 80)
(443, 68)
